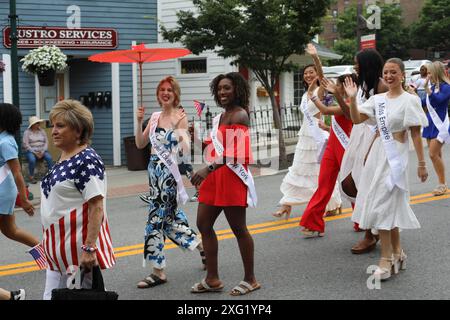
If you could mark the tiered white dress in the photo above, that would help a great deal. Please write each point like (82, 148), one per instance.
(377, 207)
(360, 141)
(300, 182)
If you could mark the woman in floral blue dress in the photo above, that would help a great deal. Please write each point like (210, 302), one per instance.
(167, 133)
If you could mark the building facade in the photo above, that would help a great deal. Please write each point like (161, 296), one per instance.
(410, 13)
(81, 29)
(195, 72)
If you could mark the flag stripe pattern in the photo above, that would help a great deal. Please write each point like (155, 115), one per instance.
(38, 254)
(199, 106)
(70, 242)
(65, 194)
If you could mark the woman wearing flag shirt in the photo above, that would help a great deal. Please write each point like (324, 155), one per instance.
(437, 133)
(75, 224)
(167, 132)
(382, 201)
(226, 184)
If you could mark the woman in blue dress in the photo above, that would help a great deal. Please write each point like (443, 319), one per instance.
(167, 133)
(11, 183)
(11, 179)
(439, 97)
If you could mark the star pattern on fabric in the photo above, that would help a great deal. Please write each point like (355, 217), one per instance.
(80, 168)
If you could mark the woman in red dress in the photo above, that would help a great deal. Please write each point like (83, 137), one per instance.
(312, 220)
(221, 189)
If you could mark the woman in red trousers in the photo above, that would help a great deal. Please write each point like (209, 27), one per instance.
(312, 219)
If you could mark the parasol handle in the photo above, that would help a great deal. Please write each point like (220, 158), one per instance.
(140, 82)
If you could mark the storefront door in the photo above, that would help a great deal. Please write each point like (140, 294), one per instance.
(48, 97)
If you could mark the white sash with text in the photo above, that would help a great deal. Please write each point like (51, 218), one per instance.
(442, 126)
(396, 162)
(340, 133)
(238, 169)
(319, 135)
(168, 159)
(4, 171)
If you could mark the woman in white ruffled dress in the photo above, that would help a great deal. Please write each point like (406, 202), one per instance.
(378, 207)
(301, 181)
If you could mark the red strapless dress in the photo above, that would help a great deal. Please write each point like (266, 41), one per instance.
(222, 187)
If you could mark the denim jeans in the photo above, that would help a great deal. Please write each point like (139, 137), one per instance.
(31, 157)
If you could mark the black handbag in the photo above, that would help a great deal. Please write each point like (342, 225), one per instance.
(96, 293)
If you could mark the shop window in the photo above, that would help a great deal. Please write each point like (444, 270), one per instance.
(193, 66)
(299, 89)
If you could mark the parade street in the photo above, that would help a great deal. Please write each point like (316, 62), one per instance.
(287, 265)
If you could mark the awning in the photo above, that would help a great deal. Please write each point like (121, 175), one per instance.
(323, 52)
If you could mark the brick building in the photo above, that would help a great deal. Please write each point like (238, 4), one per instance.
(410, 13)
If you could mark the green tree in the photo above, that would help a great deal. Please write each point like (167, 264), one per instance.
(257, 34)
(391, 40)
(432, 30)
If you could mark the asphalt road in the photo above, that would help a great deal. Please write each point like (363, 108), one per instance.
(287, 265)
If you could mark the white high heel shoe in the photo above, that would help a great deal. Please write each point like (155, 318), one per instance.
(400, 260)
(385, 273)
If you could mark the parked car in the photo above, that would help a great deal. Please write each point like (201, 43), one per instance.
(412, 68)
(336, 71)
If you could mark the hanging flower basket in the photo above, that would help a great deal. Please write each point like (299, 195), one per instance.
(47, 77)
(45, 62)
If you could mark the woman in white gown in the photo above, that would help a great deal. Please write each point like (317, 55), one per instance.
(382, 201)
(301, 181)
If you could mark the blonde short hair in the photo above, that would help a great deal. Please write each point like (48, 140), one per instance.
(175, 87)
(76, 116)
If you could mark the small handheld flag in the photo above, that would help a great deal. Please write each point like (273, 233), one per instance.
(38, 254)
(199, 106)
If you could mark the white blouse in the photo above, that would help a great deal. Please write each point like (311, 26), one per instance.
(403, 112)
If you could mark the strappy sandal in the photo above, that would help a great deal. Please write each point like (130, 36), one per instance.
(311, 234)
(202, 287)
(332, 213)
(440, 190)
(244, 288)
(151, 281)
(280, 213)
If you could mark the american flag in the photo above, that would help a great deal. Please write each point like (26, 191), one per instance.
(38, 254)
(199, 106)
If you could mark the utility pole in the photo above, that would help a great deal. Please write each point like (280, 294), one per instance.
(14, 63)
(358, 24)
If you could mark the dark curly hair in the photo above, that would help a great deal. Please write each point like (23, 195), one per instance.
(10, 118)
(370, 65)
(241, 88)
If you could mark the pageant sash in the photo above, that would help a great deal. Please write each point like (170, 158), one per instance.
(238, 168)
(396, 162)
(340, 133)
(168, 159)
(319, 135)
(442, 126)
(4, 171)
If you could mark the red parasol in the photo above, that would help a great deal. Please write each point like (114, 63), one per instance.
(139, 54)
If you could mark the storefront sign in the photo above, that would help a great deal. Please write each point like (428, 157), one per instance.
(83, 38)
(368, 42)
